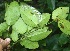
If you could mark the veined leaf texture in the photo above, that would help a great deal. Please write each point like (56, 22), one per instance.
(31, 24)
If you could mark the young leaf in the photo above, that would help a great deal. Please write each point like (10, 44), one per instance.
(3, 26)
(20, 26)
(30, 15)
(61, 12)
(12, 13)
(29, 44)
(29, 28)
(39, 34)
(64, 26)
(45, 19)
(14, 35)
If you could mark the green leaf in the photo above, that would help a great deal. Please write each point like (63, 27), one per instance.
(6, 34)
(29, 28)
(12, 13)
(42, 42)
(64, 26)
(69, 17)
(27, 0)
(30, 15)
(52, 41)
(57, 48)
(63, 39)
(29, 44)
(39, 34)
(51, 4)
(0, 33)
(66, 49)
(14, 36)
(45, 19)
(61, 12)
(6, 5)
(20, 26)
(3, 27)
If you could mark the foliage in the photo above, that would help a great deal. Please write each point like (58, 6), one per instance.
(36, 25)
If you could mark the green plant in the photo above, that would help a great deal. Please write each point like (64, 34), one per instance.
(27, 26)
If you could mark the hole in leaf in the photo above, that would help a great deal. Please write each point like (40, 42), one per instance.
(56, 16)
(67, 13)
(61, 26)
(61, 8)
(31, 13)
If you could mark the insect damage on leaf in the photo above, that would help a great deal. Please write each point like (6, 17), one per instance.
(61, 12)
(64, 26)
(28, 24)
(30, 15)
(39, 34)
